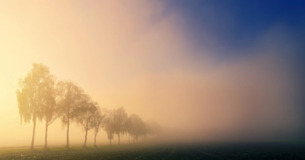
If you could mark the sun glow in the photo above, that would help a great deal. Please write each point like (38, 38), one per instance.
(134, 55)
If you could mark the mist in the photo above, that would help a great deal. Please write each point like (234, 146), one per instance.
(138, 55)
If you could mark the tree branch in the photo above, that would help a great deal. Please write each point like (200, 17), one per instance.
(50, 122)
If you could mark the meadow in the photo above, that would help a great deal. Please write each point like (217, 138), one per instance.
(164, 152)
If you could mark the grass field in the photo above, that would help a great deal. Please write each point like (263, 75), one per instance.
(166, 152)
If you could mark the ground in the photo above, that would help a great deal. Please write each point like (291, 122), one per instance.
(164, 152)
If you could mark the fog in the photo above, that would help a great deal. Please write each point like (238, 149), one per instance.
(139, 56)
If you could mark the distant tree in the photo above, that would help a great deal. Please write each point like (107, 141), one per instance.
(108, 124)
(119, 122)
(153, 128)
(109, 135)
(129, 128)
(136, 126)
(31, 95)
(97, 123)
(84, 113)
(69, 96)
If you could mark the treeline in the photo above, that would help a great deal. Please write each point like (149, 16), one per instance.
(41, 97)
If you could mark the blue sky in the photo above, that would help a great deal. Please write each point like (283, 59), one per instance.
(238, 24)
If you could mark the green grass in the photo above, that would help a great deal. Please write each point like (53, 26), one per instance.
(163, 152)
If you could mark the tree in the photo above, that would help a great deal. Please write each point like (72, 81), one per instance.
(49, 108)
(97, 123)
(153, 129)
(108, 124)
(136, 126)
(109, 135)
(69, 97)
(31, 95)
(84, 114)
(119, 122)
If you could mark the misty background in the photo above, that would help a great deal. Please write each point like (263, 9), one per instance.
(205, 70)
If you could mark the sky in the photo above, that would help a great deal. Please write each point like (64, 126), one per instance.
(210, 70)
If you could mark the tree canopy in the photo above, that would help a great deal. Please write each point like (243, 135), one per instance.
(40, 97)
(35, 95)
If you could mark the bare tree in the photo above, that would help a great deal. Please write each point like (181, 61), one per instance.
(31, 95)
(69, 97)
(119, 123)
(84, 114)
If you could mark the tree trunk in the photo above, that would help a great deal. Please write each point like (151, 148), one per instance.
(119, 138)
(95, 139)
(110, 142)
(46, 136)
(68, 127)
(86, 137)
(95, 135)
(33, 135)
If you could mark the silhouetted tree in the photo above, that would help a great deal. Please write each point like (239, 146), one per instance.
(84, 114)
(119, 122)
(69, 96)
(32, 95)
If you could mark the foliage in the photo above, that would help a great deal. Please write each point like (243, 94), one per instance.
(136, 126)
(40, 97)
(108, 123)
(119, 120)
(34, 93)
(97, 119)
(69, 96)
(83, 112)
(35, 96)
